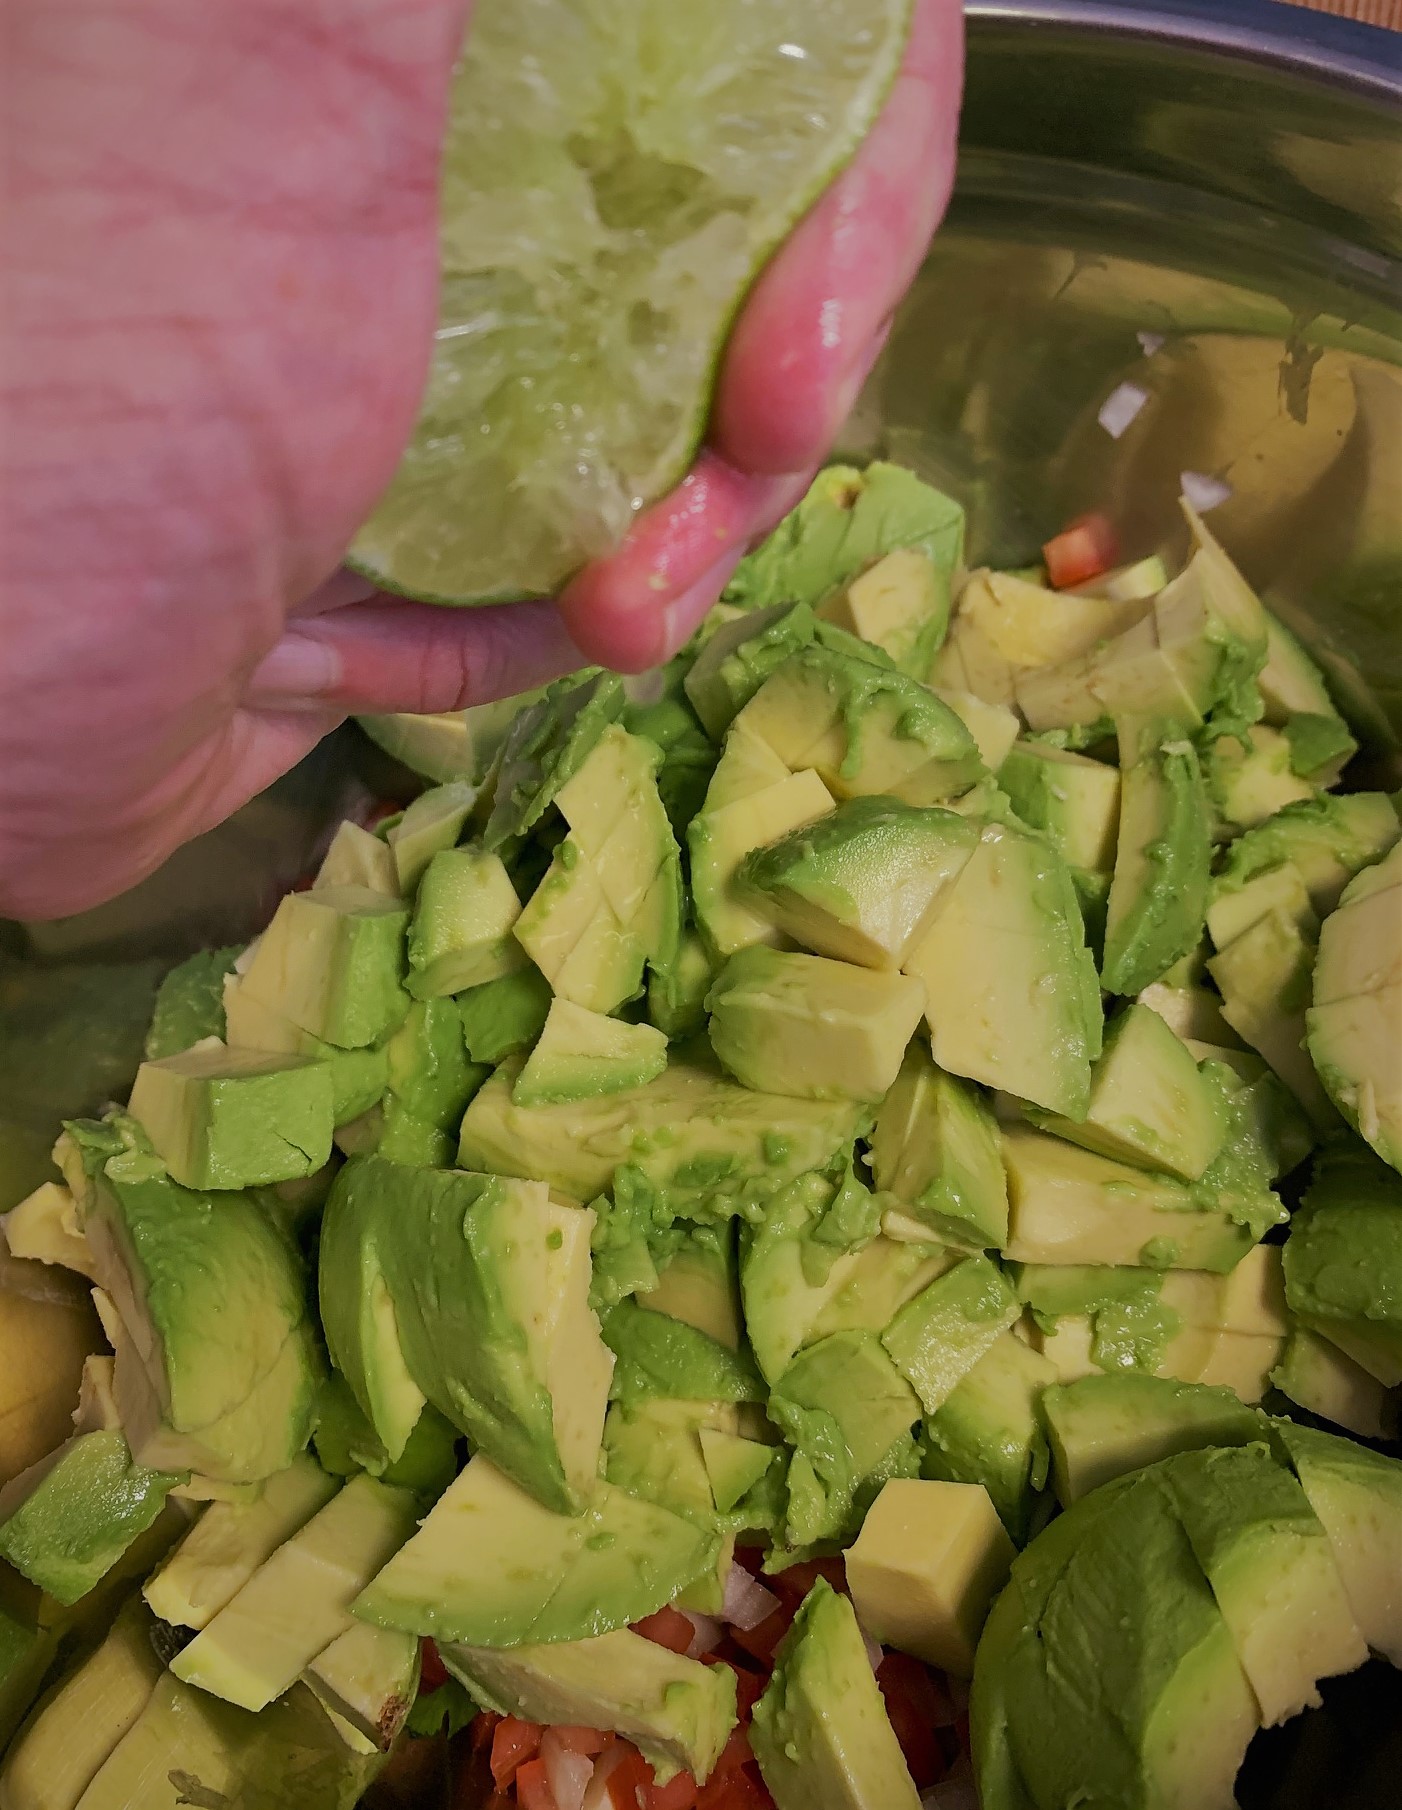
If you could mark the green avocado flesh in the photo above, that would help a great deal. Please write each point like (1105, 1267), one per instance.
(913, 1082)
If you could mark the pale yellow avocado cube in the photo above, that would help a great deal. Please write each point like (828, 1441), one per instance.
(925, 1568)
(993, 726)
(46, 1227)
(1030, 625)
(720, 839)
(356, 857)
(1243, 1362)
(889, 603)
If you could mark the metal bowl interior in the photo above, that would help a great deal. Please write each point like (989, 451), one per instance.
(1203, 200)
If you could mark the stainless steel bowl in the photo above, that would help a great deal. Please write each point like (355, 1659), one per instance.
(1203, 199)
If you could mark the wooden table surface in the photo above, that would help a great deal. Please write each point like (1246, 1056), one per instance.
(1373, 12)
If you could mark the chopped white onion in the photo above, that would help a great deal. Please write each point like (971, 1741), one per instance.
(705, 1633)
(569, 1774)
(873, 1649)
(1202, 490)
(1120, 407)
(953, 1793)
(598, 1796)
(1149, 343)
(746, 1602)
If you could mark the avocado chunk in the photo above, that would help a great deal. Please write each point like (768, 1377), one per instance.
(864, 729)
(698, 1282)
(433, 822)
(1327, 840)
(45, 1228)
(993, 726)
(496, 1568)
(545, 746)
(925, 1568)
(358, 1077)
(1320, 1378)
(1272, 1572)
(1149, 1104)
(708, 1145)
(1352, 1026)
(429, 1082)
(654, 1452)
(1291, 683)
(728, 826)
(358, 1316)
(797, 1290)
(217, 1368)
(229, 1542)
(988, 1431)
(489, 1280)
(188, 1745)
(368, 1677)
(1320, 747)
(659, 1356)
(66, 1521)
(228, 1118)
(1264, 979)
(844, 1406)
(1068, 1205)
(820, 1731)
(1130, 1651)
(1234, 911)
(298, 1601)
(1073, 800)
(1103, 1427)
(1158, 897)
(1357, 1494)
(936, 1148)
(461, 930)
(861, 883)
(846, 522)
(809, 1027)
(190, 1003)
(1012, 997)
(333, 961)
(675, 1710)
(84, 1716)
(1031, 626)
(677, 989)
(503, 1016)
(736, 660)
(358, 857)
(1251, 775)
(733, 1464)
(899, 604)
(1343, 1259)
(936, 1339)
(580, 1055)
(573, 935)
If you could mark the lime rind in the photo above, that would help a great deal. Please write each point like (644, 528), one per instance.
(616, 175)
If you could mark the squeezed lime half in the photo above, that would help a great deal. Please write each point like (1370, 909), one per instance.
(616, 172)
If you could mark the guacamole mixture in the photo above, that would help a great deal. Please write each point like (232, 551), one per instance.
(822, 1233)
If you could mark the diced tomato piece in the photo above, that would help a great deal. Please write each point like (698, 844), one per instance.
(667, 1628)
(575, 1738)
(749, 1688)
(795, 1582)
(913, 1702)
(483, 1727)
(533, 1787)
(513, 1743)
(432, 1671)
(678, 1793)
(1080, 552)
(743, 1790)
(629, 1779)
(760, 1642)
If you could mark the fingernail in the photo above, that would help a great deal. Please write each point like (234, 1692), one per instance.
(300, 666)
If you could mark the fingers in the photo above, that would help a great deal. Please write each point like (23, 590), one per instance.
(805, 339)
(386, 654)
(634, 608)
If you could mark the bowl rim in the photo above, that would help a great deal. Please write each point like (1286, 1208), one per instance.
(1319, 47)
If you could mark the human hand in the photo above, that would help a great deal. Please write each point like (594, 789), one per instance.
(222, 244)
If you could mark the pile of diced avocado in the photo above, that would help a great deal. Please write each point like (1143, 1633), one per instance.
(845, 1096)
